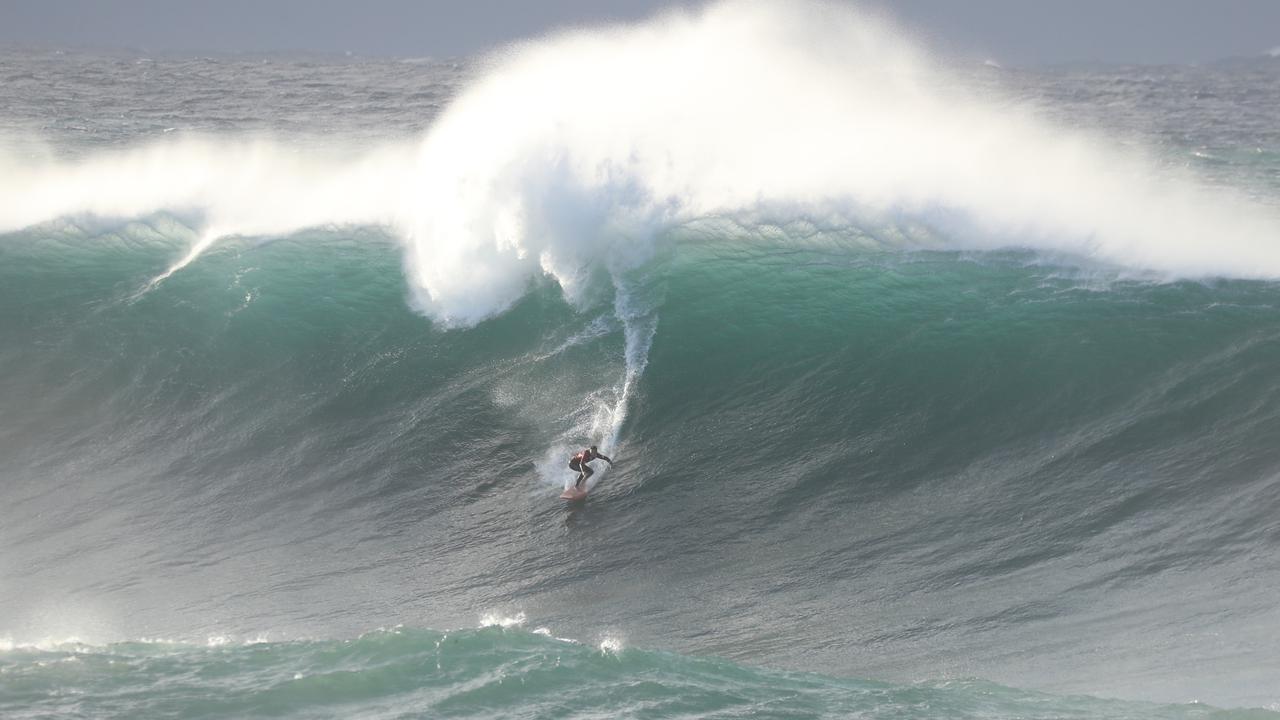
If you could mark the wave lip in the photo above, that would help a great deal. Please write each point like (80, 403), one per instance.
(584, 148)
(578, 153)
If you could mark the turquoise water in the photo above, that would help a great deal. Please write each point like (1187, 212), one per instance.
(490, 672)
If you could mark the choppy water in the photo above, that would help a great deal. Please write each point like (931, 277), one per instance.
(909, 409)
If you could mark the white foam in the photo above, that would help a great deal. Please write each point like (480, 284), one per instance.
(580, 150)
(494, 619)
(577, 152)
(238, 186)
(207, 239)
(45, 644)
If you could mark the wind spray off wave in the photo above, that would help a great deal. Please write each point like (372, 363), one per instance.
(577, 152)
(584, 148)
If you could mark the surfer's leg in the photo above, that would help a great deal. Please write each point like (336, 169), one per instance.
(586, 473)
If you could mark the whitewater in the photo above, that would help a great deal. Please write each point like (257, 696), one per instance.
(936, 389)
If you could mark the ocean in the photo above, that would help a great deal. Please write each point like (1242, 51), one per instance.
(935, 389)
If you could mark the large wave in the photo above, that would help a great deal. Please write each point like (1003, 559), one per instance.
(572, 157)
(575, 152)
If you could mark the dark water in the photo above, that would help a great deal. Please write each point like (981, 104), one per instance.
(953, 471)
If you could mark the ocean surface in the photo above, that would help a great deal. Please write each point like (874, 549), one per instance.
(935, 389)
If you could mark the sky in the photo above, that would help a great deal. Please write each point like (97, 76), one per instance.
(1010, 32)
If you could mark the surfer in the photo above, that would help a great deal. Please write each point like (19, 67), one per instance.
(578, 463)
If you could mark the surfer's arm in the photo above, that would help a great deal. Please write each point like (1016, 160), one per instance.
(604, 458)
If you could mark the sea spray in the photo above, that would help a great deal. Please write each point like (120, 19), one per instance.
(583, 148)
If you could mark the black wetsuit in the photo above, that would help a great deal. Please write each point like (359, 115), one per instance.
(578, 463)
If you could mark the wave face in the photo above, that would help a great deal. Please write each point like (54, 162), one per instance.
(903, 380)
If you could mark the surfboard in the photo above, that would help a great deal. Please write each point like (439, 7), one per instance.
(573, 494)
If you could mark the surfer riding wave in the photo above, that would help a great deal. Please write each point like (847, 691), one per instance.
(579, 464)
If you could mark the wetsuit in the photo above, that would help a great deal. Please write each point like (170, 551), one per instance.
(578, 463)
(575, 462)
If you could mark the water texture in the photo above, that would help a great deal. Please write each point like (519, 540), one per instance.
(925, 382)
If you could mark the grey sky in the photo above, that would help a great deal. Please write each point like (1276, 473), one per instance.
(1015, 32)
